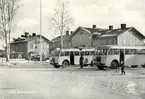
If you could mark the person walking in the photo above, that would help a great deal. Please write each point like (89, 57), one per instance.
(122, 62)
(81, 60)
(122, 68)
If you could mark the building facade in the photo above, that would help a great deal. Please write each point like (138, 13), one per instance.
(93, 37)
(56, 42)
(27, 44)
(82, 36)
(127, 36)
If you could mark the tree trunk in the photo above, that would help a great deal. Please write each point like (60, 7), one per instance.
(61, 41)
(6, 48)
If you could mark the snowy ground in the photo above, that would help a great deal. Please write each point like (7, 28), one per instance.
(71, 83)
(22, 63)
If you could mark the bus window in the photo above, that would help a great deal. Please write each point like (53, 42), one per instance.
(77, 53)
(104, 52)
(82, 53)
(113, 52)
(62, 53)
(127, 51)
(95, 52)
(86, 53)
(138, 52)
(133, 51)
(116, 51)
(67, 53)
(92, 53)
(101, 52)
(110, 51)
(143, 51)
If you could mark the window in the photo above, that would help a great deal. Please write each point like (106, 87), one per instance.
(130, 51)
(113, 52)
(143, 51)
(77, 53)
(124, 42)
(67, 53)
(127, 51)
(86, 53)
(139, 52)
(113, 41)
(31, 45)
(116, 51)
(110, 52)
(101, 52)
(82, 53)
(92, 53)
(62, 54)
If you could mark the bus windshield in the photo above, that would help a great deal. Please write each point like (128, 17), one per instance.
(100, 52)
(55, 53)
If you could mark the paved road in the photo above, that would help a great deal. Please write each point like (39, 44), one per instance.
(70, 83)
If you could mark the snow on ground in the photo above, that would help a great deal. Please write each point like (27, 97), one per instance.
(75, 83)
(22, 63)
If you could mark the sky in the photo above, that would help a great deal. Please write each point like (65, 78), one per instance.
(101, 13)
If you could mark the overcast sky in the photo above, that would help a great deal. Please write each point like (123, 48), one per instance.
(102, 13)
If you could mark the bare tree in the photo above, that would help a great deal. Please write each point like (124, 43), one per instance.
(8, 10)
(61, 18)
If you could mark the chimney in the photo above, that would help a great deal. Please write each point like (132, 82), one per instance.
(71, 32)
(67, 33)
(33, 34)
(123, 26)
(110, 27)
(26, 34)
(94, 26)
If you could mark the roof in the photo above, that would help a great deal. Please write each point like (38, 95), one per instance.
(119, 47)
(116, 32)
(28, 39)
(58, 38)
(90, 30)
(93, 30)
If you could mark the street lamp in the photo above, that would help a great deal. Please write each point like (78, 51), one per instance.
(40, 31)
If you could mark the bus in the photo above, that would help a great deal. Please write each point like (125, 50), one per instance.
(71, 56)
(109, 55)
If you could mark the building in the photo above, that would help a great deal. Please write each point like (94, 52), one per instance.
(91, 37)
(127, 36)
(56, 42)
(82, 36)
(27, 44)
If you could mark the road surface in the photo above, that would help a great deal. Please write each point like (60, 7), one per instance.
(71, 83)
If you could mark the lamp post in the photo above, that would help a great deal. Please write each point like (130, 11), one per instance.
(40, 31)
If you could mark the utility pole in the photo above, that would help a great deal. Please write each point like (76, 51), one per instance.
(40, 31)
(62, 40)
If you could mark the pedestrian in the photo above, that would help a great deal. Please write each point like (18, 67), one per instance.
(122, 68)
(81, 60)
(122, 62)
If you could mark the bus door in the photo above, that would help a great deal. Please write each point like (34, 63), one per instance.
(72, 58)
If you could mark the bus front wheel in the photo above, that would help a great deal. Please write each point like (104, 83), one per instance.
(65, 63)
(114, 64)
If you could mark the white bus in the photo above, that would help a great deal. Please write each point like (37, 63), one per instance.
(67, 57)
(109, 55)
